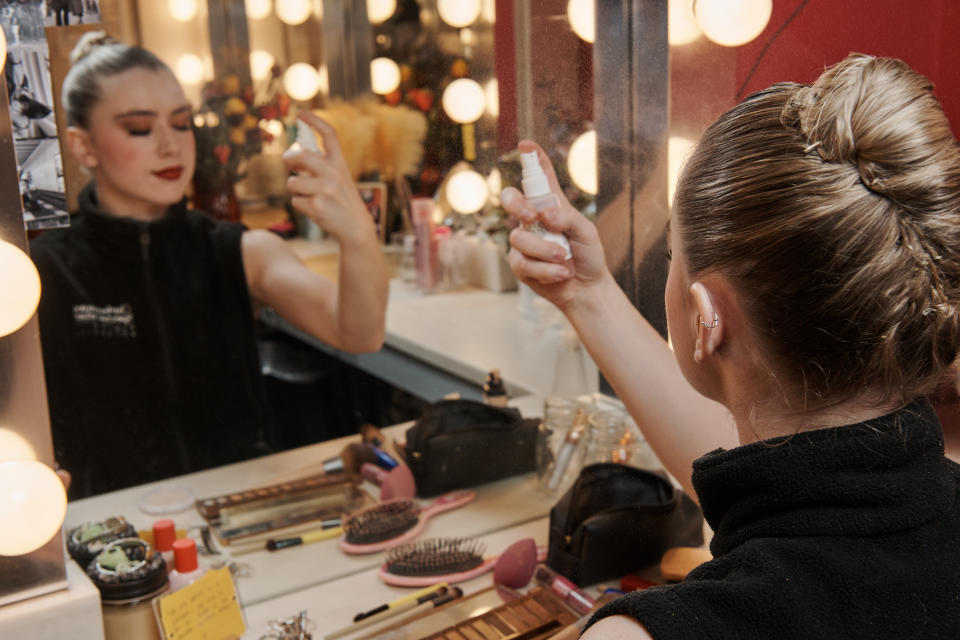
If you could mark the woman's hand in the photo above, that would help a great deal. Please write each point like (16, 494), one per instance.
(323, 188)
(542, 265)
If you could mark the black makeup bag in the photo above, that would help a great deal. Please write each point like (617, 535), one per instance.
(463, 443)
(618, 519)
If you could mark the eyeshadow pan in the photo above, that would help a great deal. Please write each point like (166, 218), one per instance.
(488, 632)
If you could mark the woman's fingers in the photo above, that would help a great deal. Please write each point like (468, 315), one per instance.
(533, 246)
(537, 270)
(517, 206)
(304, 185)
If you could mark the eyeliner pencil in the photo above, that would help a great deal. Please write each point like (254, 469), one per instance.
(316, 535)
(430, 600)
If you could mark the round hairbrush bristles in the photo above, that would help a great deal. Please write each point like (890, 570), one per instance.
(381, 522)
(435, 557)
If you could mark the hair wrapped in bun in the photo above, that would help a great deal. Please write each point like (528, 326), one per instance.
(836, 209)
(97, 56)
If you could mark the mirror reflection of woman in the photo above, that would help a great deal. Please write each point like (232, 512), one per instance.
(813, 302)
(147, 314)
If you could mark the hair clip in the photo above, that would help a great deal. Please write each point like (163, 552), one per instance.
(712, 325)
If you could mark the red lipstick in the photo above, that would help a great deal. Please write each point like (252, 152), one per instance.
(170, 173)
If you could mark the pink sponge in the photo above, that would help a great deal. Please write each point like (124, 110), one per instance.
(516, 564)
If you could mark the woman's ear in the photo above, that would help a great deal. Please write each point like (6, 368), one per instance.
(709, 324)
(81, 146)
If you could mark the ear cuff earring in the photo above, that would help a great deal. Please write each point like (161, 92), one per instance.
(711, 325)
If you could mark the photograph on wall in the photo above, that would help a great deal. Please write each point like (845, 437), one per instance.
(63, 13)
(30, 91)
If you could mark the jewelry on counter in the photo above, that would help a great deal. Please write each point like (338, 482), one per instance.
(297, 627)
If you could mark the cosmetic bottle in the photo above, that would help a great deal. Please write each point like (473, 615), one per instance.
(164, 535)
(494, 391)
(568, 592)
(537, 191)
(425, 246)
(186, 567)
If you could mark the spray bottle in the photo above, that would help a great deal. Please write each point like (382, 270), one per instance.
(536, 189)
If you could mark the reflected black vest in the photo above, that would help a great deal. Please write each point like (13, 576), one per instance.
(149, 347)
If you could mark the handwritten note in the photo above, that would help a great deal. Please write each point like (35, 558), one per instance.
(207, 609)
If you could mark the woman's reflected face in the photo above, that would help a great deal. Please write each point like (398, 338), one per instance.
(142, 137)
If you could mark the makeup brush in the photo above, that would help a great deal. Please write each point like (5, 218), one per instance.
(394, 522)
(453, 560)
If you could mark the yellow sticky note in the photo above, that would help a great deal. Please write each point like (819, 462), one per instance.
(207, 609)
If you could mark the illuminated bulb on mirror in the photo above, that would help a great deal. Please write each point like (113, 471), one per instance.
(293, 12)
(582, 162)
(732, 23)
(459, 13)
(380, 10)
(301, 81)
(261, 62)
(463, 100)
(495, 185)
(258, 9)
(183, 10)
(384, 75)
(20, 293)
(583, 19)
(491, 94)
(3, 49)
(189, 69)
(13, 446)
(682, 25)
(466, 191)
(33, 497)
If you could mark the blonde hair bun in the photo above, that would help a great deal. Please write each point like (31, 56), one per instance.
(88, 43)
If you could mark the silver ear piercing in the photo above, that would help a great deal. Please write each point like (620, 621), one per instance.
(712, 325)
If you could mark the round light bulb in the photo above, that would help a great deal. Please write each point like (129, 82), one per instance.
(732, 22)
(459, 13)
(583, 19)
(258, 9)
(3, 49)
(20, 293)
(467, 191)
(183, 10)
(495, 184)
(261, 62)
(491, 94)
(463, 100)
(682, 25)
(678, 149)
(489, 11)
(33, 497)
(324, 79)
(14, 446)
(301, 81)
(189, 69)
(294, 12)
(380, 10)
(384, 75)
(582, 162)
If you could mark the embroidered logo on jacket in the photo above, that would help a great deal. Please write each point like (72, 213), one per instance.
(109, 321)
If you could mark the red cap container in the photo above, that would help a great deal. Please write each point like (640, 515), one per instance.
(185, 555)
(164, 535)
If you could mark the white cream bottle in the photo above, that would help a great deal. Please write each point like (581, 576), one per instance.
(536, 189)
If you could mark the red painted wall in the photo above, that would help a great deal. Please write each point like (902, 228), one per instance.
(923, 33)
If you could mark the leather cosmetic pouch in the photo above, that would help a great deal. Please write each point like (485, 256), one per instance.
(463, 443)
(616, 519)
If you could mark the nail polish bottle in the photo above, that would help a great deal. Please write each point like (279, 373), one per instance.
(537, 191)
(187, 568)
(164, 535)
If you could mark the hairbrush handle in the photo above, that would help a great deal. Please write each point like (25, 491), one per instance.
(447, 502)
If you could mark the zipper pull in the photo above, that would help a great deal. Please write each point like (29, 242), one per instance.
(145, 244)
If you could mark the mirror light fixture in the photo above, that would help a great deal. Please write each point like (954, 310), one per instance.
(301, 81)
(183, 10)
(380, 10)
(463, 100)
(582, 162)
(294, 12)
(459, 13)
(384, 75)
(583, 19)
(35, 500)
(14, 446)
(682, 26)
(467, 191)
(258, 9)
(261, 62)
(20, 293)
(189, 69)
(732, 23)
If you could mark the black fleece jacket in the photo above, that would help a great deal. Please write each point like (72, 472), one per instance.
(849, 532)
(149, 347)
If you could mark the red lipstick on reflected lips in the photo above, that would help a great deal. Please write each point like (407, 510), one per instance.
(170, 173)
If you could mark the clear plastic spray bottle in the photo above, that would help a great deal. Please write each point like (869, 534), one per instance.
(536, 189)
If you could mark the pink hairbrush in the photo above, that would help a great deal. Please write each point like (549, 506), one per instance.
(453, 560)
(394, 522)
(395, 483)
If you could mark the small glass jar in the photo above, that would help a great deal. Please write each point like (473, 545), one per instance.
(610, 439)
(560, 441)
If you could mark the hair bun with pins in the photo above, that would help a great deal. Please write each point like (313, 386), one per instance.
(88, 43)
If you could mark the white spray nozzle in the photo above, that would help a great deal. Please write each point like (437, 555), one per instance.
(534, 179)
(306, 138)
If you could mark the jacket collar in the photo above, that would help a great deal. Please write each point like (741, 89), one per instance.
(881, 476)
(112, 230)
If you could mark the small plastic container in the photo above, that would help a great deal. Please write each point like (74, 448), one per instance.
(129, 574)
(186, 567)
(164, 535)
